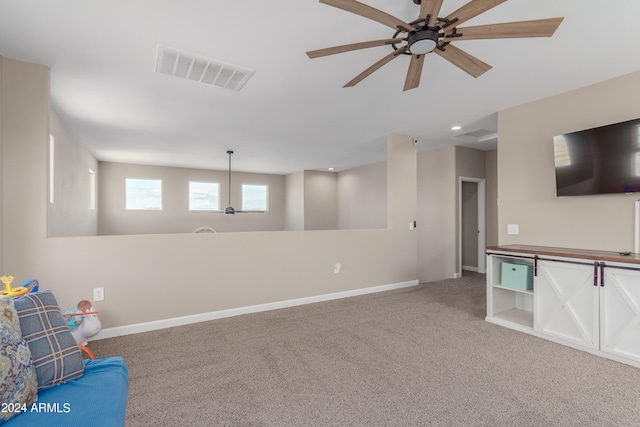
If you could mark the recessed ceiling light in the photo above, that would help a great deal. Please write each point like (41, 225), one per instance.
(330, 169)
(456, 128)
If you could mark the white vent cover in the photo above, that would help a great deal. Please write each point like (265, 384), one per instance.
(478, 133)
(198, 69)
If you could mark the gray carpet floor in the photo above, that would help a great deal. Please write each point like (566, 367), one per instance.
(419, 356)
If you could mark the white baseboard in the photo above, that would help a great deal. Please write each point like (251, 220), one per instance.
(469, 268)
(457, 275)
(203, 317)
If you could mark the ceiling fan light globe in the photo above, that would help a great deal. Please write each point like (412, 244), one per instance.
(422, 42)
(422, 47)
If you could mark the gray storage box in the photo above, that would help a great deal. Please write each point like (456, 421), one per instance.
(517, 275)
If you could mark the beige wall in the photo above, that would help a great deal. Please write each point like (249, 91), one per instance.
(491, 176)
(526, 177)
(437, 214)
(354, 199)
(294, 201)
(320, 200)
(470, 162)
(401, 202)
(362, 197)
(305, 200)
(2, 247)
(25, 133)
(152, 277)
(175, 216)
(70, 213)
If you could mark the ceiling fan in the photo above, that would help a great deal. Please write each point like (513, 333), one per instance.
(432, 33)
(229, 210)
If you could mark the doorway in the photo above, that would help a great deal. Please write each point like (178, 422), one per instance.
(471, 225)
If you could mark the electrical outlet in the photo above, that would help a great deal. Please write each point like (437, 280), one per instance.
(98, 294)
(336, 268)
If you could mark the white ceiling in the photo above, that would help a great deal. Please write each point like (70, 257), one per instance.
(293, 114)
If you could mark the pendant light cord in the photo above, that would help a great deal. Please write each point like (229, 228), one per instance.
(229, 153)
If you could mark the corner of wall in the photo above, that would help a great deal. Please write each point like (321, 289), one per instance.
(401, 168)
(2, 157)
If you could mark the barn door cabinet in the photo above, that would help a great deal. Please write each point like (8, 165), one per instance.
(584, 299)
(620, 310)
(567, 301)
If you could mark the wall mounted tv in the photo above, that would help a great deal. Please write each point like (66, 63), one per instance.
(601, 160)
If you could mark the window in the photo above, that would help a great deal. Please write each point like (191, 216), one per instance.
(144, 194)
(92, 190)
(204, 196)
(52, 146)
(254, 197)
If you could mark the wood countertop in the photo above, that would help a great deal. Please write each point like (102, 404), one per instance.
(567, 252)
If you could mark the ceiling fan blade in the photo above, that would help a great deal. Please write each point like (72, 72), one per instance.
(471, 10)
(350, 47)
(414, 73)
(533, 28)
(369, 12)
(461, 59)
(231, 211)
(430, 8)
(357, 79)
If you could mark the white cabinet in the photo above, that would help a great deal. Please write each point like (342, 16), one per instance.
(620, 312)
(589, 304)
(566, 301)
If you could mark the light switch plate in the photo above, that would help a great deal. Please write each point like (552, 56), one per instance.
(513, 229)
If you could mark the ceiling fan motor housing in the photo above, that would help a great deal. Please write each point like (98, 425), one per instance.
(423, 41)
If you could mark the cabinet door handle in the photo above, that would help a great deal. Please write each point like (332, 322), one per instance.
(602, 274)
(595, 273)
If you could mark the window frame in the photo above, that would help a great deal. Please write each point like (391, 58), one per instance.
(217, 185)
(126, 195)
(266, 197)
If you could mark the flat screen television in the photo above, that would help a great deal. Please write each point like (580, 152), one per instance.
(601, 160)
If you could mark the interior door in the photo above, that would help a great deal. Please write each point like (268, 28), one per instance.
(620, 312)
(479, 229)
(469, 226)
(566, 302)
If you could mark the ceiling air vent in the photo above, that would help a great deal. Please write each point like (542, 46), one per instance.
(198, 69)
(477, 133)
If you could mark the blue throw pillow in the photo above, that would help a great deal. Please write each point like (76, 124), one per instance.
(55, 354)
(18, 384)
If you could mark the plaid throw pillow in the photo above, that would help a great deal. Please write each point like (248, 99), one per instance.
(56, 355)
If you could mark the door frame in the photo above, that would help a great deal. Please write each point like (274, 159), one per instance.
(482, 223)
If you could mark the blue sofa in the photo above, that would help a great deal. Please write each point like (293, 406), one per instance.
(46, 381)
(96, 399)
